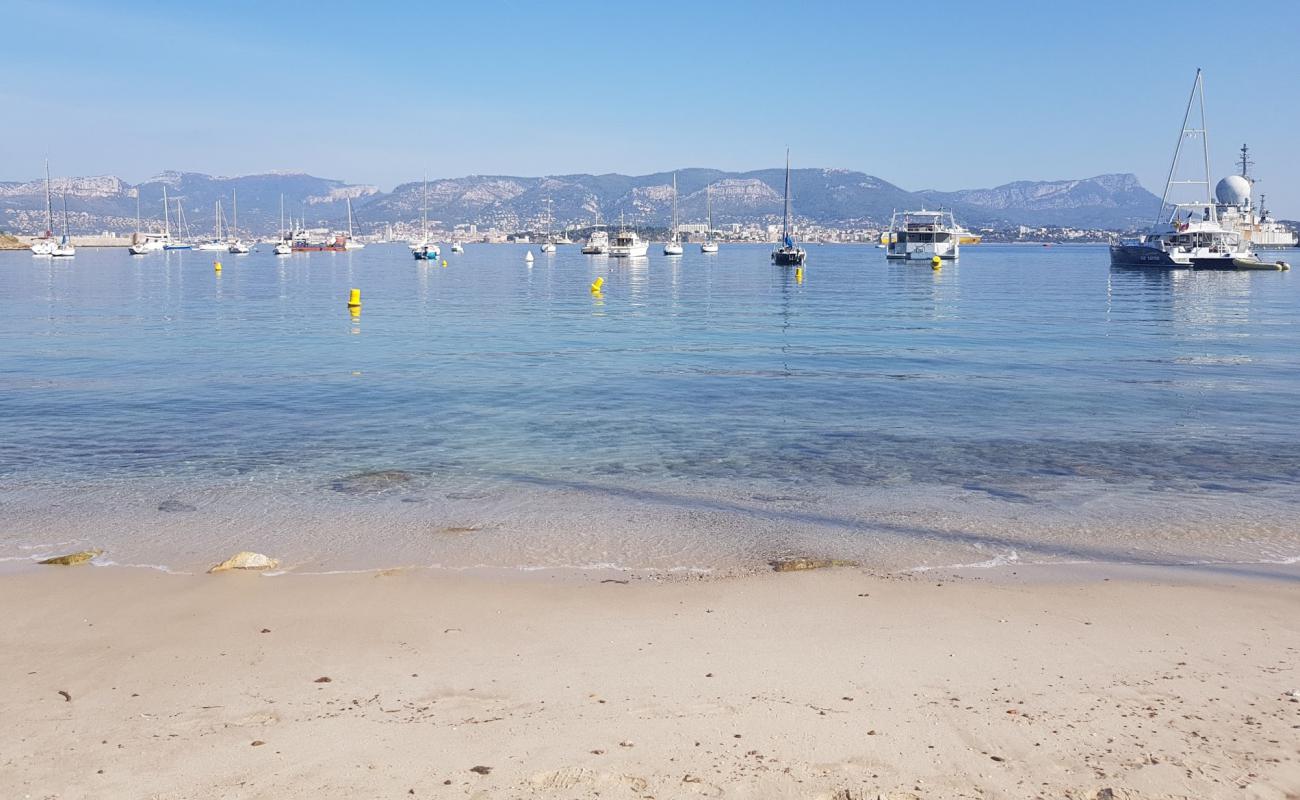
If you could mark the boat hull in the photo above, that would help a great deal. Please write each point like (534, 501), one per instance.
(1156, 258)
(789, 257)
(637, 251)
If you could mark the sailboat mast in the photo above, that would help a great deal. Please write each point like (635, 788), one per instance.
(349, 199)
(1205, 148)
(674, 206)
(49, 203)
(167, 216)
(65, 217)
(785, 216)
(708, 201)
(1178, 149)
(234, 212)
(282, 231)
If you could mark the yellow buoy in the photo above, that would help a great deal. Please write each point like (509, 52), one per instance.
(216, 266)
(354, 299)
(798, 274)
(444, 262)
(936, 263)
(596, 285)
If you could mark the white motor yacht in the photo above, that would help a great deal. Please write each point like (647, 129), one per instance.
(627, 244)
(922, 235)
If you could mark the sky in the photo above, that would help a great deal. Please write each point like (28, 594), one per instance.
(943, 95)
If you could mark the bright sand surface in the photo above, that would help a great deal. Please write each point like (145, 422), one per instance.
(1152, 683)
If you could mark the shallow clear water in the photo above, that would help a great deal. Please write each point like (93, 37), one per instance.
(705, 412)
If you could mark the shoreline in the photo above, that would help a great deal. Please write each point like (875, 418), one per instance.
(1153, 682)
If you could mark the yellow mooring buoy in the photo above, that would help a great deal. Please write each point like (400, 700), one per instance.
(798, 274)
(354, 298)
(596, 285)
(936, 263)
(216, 266)
(444, 262)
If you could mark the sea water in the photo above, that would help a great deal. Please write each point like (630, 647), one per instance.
(708, 412)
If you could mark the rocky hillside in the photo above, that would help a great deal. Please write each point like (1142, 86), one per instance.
(824, 196)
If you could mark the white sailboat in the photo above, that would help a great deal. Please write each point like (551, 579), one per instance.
(137, 247)
(673, 247)
(351, 243)
(235, 245)
(709, 245)
(64, 248)
(598, 242)
(284, 247)
(44, 246)
(1192, 236)
(216, 243)
(548, 244)
(168, 242)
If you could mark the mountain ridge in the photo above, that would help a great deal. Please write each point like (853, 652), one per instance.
(834, 197)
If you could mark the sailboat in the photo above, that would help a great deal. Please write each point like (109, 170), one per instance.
(709, 245)
(598, 242)
(787, 255)
(168, 242)
(215, 243)
(673, 247)
(351, 243)
(1198, 240)
(548, 244)
(236, 245)
(137, 247)
(64, 248)
(424, 250)
(283, 247)
(44, 246)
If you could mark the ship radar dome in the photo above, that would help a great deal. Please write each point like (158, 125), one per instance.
(1233, 190)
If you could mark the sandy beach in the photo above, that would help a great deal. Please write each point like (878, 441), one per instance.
(1128, 683)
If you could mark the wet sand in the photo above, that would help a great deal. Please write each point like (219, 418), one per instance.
(1015, 683)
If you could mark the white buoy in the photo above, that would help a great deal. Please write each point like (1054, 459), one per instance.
(528, 256)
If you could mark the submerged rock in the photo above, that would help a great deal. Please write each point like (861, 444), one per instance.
(246, 560)
(176, 506)
(800, 564)
(371, 482)
(72, 559)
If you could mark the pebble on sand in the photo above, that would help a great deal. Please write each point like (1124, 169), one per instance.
(72, 559)
(246, 560)
(482, 770)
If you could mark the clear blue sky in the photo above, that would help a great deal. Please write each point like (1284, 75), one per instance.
(930, 95)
